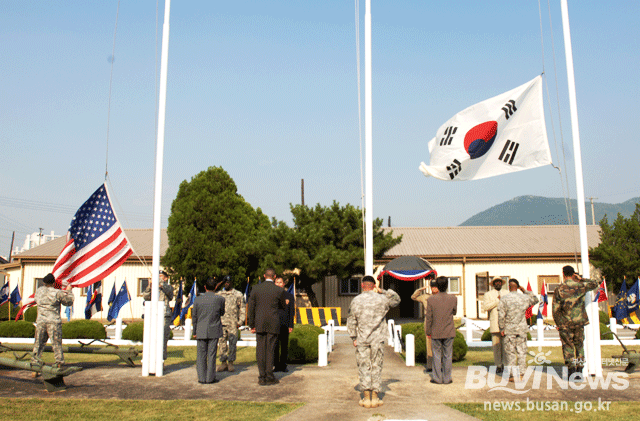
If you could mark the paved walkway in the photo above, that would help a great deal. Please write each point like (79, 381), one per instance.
(328, 392)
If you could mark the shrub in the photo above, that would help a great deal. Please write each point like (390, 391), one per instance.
(4, 310)
(135, 332)
(303, 343)
(604, 317)
(638, 334)
(486, 335)
(603, 330)
(420, 340)
(83, 329)
(417, 330)
(31, 314)
(460, 347)
(19, 329)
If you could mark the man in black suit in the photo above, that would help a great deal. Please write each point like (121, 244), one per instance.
(265, 301)
(206, 313)
(286, 326)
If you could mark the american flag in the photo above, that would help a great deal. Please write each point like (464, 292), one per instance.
(96, 244)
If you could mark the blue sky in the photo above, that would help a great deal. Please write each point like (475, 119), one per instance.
(268, 91)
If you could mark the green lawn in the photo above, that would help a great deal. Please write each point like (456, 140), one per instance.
(179, 410)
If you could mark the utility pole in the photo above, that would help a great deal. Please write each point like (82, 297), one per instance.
(302, 191)
(593, 214)
(40, 237)
(13, 236)
(389, 222)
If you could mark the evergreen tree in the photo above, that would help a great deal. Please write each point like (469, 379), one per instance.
(213, 231)
(618, 254)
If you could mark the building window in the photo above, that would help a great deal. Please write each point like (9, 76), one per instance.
(143, 283)
(37, 284)
(350, 286)
(454, 285)
(552, 282)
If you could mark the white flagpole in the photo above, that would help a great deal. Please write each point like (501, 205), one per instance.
(368, 126)
(592, 332)
(154, 353)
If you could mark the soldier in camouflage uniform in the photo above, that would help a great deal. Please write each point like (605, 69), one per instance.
(48, 323)
(570, 316)
(513, 326)
(234, 315)
(368, 329)
(166, 295)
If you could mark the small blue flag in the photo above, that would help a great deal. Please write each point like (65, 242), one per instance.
(190, 300)
(15, 296)
(121, 299)
(4, 293)
(68, 311)
(112, 296)
(177, 307)
(620, 309)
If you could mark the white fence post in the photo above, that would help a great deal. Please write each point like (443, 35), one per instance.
(411, 351)
(332, 334)
(119, 328)
(469, 330)
(187, 329)
(613, 326)
(540, 327)
(390, 326)
(322, 350)
(397, 347)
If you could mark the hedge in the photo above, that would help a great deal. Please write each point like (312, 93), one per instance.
(135, 332)
(19, 329)
(603, 330)
(4, 309)
(83, 329)
(31, 314)
(460, 346)
(303, 343)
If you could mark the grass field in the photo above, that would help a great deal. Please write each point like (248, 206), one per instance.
(91, 409)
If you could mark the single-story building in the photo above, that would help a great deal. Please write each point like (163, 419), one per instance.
(470, 257)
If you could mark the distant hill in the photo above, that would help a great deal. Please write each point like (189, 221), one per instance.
(537, 210)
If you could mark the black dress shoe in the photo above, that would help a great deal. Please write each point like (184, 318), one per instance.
(434, 382)
(272, 382)
(214, 381)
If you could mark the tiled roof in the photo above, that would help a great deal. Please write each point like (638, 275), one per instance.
(491, 240)
(141, 240)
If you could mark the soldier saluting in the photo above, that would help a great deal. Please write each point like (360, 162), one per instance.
(367, 328)
(570, 316)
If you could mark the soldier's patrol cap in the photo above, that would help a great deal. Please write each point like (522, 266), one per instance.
(162, 272)
(514, 280)
(369, 278)
(49, 279)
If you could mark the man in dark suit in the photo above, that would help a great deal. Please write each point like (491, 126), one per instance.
(265, 301)
(208, 308)
(286, 326)
(439, 326)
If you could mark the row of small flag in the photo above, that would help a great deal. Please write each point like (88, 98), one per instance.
(600, 296)
(13, 298)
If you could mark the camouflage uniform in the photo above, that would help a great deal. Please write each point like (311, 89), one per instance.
(234, 315)
(512, 321)
(570, 315)
(165, 294)
(366, 324)
(48, 323)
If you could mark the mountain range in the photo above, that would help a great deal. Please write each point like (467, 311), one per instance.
(538, 210)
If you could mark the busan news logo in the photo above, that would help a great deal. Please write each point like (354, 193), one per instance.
(479, 377)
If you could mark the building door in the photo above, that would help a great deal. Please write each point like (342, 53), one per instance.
(482, 286)
(407, 309)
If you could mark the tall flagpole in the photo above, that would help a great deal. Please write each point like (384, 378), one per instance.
(368, 126)
(593, 354)
(153, 348)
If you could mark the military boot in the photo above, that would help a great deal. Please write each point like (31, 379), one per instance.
(375, 401)
(366, 400)
(230, 366)
(222, 367)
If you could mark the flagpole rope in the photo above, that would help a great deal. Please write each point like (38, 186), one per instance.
(113, 52)
(564, 181)
(357, 15)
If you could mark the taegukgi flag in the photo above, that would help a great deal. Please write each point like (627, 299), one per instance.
(500, 135)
